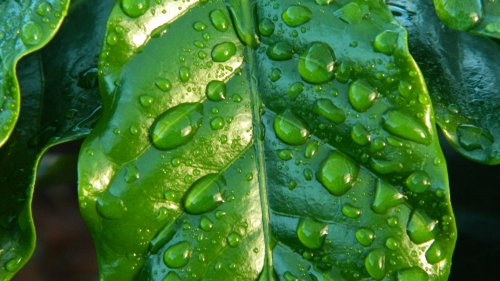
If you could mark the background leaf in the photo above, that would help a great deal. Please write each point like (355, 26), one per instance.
(463, 75)
(61, 103)
(26, 26)
(221, 158)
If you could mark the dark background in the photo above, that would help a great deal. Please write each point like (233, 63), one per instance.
(65, 250)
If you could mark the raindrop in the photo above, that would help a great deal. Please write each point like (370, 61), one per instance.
(402, 125)
(375, 264)
(418, 181)
(338, 173)
(386, 197)
(223, 52)
(219, 20)
(365, 236)
(134, 8)
(412, 274)
(280, 51)
(178, 255)
(31, 33)
(296, 15)
(233, 239)
(350, 211)
(312, 233)
(317, 63)
(361, 95)
(386, 42)
(216, 90)
(420, 227)
(327, 109)
(290, 129)
(204, 195)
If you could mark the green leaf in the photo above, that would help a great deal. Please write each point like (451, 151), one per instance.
(61, 103)
(26, 26)
(462, 72)
(315, 158)
(477, 16)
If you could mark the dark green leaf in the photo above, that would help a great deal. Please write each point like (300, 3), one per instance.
(477, 16)
(463, 76)
(318, 158)
(60, 103)
(25, 26)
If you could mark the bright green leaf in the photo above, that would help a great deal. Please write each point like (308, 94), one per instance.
(277, 178)
(61, 103)
(463, 75)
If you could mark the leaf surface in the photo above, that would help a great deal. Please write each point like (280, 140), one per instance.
(269, 140)
(463, 74)
(61, 103)
(26, 26)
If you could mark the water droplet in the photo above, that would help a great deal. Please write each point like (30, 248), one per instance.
(290, 129)
(216, 90)
(132, 174)
(184, 73)
(360, 135)
(365, 236)
(13, 264)
(44, 8)
(134, 8)
(392, 221)
(177, 126)
(412, 274)
(219, 20)
(420, 227)
(375, 264)
(312, 233)
(206, 224)
(295, 89)
(351, 13)
(287, 275)
(285, 154)
(338, 173)
(471, 137)
(223, 52)
(323, 2)
(233, 239)
(145, 100)
(275, 74)
(296, 15)
(362, 95)
(217, 123)
(402, 125)
(199, 26)
(317, 63)
(31, 33)
(266, 27)
(311, 149)
(308, 174)
(204, 195)
(327, 109)
(418, 181)
(386, 197)
(172, 276)
(462, 15)
(163, 84)
(435, 253)
(386, 42)
(391, 244)
(350, 211)
(280, 51)
(110, 207)
(177, 255)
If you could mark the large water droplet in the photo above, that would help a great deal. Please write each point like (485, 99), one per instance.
(461, 15)
(420, 227)
(290, 129)
(176, 126)
(338, 173)
(375, 264)
(177, 255)
(418, 181)
(386, 42)
(362, 95)
(204, 195)
(223, 52)
(219, 20)
(31, 33)
(296, 15)
(330, 111)
(216, 90)
(233, 239)
(365, 236)
(412, 274)
(317, 63)
(402, 125)
(471, 137)
(134, 8)
(280, 51)
(312, 233)
(386, 197)
(435, 253)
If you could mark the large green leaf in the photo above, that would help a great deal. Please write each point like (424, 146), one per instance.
(25, 27)
(463, 75)
(477, 16)
(60, 103)
(264, 139)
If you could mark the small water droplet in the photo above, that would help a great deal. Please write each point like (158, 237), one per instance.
(386, 42)
(296, 15)
(145, 100)
(223, 52)
(199, 26)
(420, 227)
(184, 73)
(311, 149)
(132, 173)
(110, 207)
(287, 275)
(233, 239)
(386, 197)
(31, 33)
(204, 195)
(280, 51)
(338, 173)
(290, 129)
(365, 236)
(172, 276)
(177, 255)
(266, 27)
(418, 181)
(177, 126)
(134, 8)
(402, 125)
(163, 84)
(391, 244)
(206, 224)
(317, 63)
(217, 123)
(285, 154)
(362, 95)
(219, 20)
(295, 89)
(330, 111)
(44, 8)
(350, 211)
(375, 264)
(311, 232)
(360, 135)
(216, 90)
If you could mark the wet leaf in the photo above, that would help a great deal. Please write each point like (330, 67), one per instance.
(462, 74)
(60, 103)
(318, 159)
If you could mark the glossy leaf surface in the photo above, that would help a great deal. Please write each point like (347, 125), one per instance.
(264, 140)
(61, 103)
(25, 27)
(463, 74)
